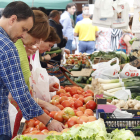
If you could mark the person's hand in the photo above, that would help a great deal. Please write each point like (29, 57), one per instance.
(52, 89)
(47, 57)
(54, 55)
(31, 50)
(51, 107)
(65, 38)
(56, 126)
(67, 51)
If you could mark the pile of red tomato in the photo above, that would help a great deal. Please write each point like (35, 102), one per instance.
(76, 107)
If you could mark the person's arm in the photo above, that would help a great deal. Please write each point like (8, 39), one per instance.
(12, 77)
(126, 39)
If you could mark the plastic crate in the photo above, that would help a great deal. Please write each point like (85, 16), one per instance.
(111, 122)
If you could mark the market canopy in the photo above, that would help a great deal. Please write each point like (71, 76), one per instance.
(48, 4)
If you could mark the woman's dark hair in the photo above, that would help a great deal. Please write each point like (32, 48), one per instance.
(69, 5)
(18, 8)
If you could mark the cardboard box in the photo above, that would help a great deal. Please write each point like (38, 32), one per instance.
(83, 72)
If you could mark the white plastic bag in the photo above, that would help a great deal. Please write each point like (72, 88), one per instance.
(53, 79)
(121, 12)
(136, 21)
(39, 79)
(12, 115)
(129, 71)
(97, 21)
(106, 71)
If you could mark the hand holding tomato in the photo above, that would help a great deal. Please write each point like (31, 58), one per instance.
(53, 87)
(55, 126)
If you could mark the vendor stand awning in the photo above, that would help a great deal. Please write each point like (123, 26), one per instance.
(48, 4)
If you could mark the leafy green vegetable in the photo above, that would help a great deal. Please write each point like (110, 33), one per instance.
(25, 138)
(122, 135)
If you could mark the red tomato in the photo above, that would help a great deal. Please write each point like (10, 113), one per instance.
(59, 116)
(91, 105)
(87, 94)
(55, 97)
(60, 107)
(30, 123)
(46, 111)
(68, 94)
(66, 103)
(79, 113)
(72, 121)
(54, 102)
(45, 131)
(36, 122)
(73, 91)
(76, 96)
(63, 98)
(88, 112)
(33, 132)
(90, 91)
(81, 99)
(40, 126)
(56, 85)
(79, 92)
(78, 103)
(52, 113)
(81, 109)
(60, 91)
(68, 89)
(91, 118)
(61, 87)
(28, 130)
(83, 119)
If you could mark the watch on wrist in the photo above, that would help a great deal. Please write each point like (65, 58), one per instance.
(49, 122)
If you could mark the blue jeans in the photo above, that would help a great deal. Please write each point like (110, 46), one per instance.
(4, 137)
(86, 46)
(69, 45)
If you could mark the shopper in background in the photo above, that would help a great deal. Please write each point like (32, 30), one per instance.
(80, 17)
(124, 40)
(87, 33)
(65, 20)
(103, 42)
(54, 22)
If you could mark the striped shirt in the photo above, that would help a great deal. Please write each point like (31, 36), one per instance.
(115, 37)
(12, 80)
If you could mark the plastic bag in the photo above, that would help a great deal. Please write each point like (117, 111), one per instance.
(12, 115)
(53, 79)
(39, 80)
(121, 12)
(106, 71)
(129, 71)
(136, 21)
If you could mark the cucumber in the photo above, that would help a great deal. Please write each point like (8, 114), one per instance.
(79, 79)
(56, 51)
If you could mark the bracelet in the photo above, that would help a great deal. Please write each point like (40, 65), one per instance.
(37, 100)
(49, 122)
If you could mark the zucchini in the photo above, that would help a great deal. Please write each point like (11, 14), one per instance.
(56, 51)
(55, 48)
(77, 68)
(79, 79)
